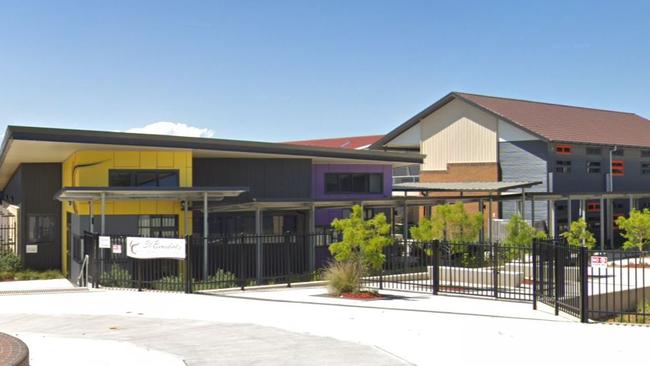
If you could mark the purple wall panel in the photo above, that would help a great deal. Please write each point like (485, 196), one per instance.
(325, 216)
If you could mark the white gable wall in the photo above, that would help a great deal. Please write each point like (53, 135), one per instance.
(458, 133)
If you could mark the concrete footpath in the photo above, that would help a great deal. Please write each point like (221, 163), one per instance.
(303, 327)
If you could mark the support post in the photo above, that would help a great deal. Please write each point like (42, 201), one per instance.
(557, 277)
(495, 269)
(490, 219)
(91, 217)
(312, 239)
(406, 220)
(523, 203)
(206, 233)
(532, 211)
(602, 223)
(551, 219)
(102, 213)
(435, 267)
(535, 274)
(258, 246)
(482, 211)
(584, 295)
(569, 212)
(610, 222)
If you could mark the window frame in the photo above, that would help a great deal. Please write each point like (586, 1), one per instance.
(340, 189)
(593, 150)
(592, 166)
(41, 238)
(133, 176)
(563, 149)
(618, 168)
(563, 166)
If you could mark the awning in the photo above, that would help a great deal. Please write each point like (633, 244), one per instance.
(70, 194)
(461, 186)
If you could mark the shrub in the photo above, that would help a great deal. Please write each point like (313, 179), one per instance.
(343, 277)
(9, 262)
(118, 276)
(221, 279)
(7, 276)
(168, 283)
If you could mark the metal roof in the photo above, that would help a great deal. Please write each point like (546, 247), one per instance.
(68, 194)
(462, 186)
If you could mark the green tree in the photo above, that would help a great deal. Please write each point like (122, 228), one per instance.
(363, 240)
(519, 233)
(636, 229)
(579, 235)
(449, 222)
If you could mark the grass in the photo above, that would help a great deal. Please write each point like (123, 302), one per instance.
(26, 275)
(637, 318)
(343, 277)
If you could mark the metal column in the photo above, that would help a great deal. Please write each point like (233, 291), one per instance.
(532, 211)
(258, 246)
(102, 212)
(311, 238)
(569, 212)
(406, 219)
(602, 223)
(206, 233)
(490, 219)
(482, 211)
(91, 218)
(523, 203)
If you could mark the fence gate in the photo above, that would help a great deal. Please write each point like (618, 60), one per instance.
(478, 269)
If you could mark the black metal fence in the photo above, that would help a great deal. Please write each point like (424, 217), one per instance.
(8, 238)
(477, 269)
(218, 262)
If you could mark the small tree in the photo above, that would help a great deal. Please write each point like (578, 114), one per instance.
(636, 229)
(363, 240)
(579, 235)
(449, 222)
(519, 233)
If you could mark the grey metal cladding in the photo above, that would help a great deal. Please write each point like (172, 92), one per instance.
(524, 161)
(265, 178)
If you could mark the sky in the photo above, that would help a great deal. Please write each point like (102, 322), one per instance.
(290, 70)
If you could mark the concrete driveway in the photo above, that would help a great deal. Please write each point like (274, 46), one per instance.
(301, 327)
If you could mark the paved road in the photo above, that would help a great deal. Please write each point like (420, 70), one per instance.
(197, 342)
(301, 327)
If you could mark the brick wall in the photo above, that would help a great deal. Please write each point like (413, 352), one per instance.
(463, 172)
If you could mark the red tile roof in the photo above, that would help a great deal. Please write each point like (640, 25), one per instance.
(553, 122)
(558, 122)
(355, 142)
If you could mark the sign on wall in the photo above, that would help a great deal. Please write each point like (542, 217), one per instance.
(147, 248)
(31, 248)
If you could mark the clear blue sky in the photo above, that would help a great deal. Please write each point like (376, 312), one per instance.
(284, 70)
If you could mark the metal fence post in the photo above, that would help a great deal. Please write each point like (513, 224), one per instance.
(556, 284)
(95, 270)
(188, 265)
(584, 295)
(242, 281)
(435, 267)
(495, 268)
(287, 246)
(535, 274)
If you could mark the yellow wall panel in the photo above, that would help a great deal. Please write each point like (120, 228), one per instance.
(165, 159)
(148, 160)
(165, 207)
(126, 159)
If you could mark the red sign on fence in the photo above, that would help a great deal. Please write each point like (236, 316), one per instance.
(598, 261)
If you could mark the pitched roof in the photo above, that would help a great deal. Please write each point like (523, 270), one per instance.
(354, 142)
(553, 122)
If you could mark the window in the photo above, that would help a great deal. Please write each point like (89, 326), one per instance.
(618, 167)
(593, 167)
(158, 226)
(563, 149)
(563, 166)
(354, 183)
(143, 178)
(593, 207)
(618, 152)
(594, 151)
(40, 228)
(645, 168)
(409, 173)
(645, 153)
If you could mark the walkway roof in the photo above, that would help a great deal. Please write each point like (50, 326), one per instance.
(68, 194)
(462, 186)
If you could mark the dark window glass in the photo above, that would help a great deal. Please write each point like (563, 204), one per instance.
(338, 183)
(143, 178)
(593, 167)
(645, 153)
(594, 151)
(563, 166)
(120, 179)
(146, 179)
(158, 226)
(645, 168)
(40, 228)
(618, 152)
